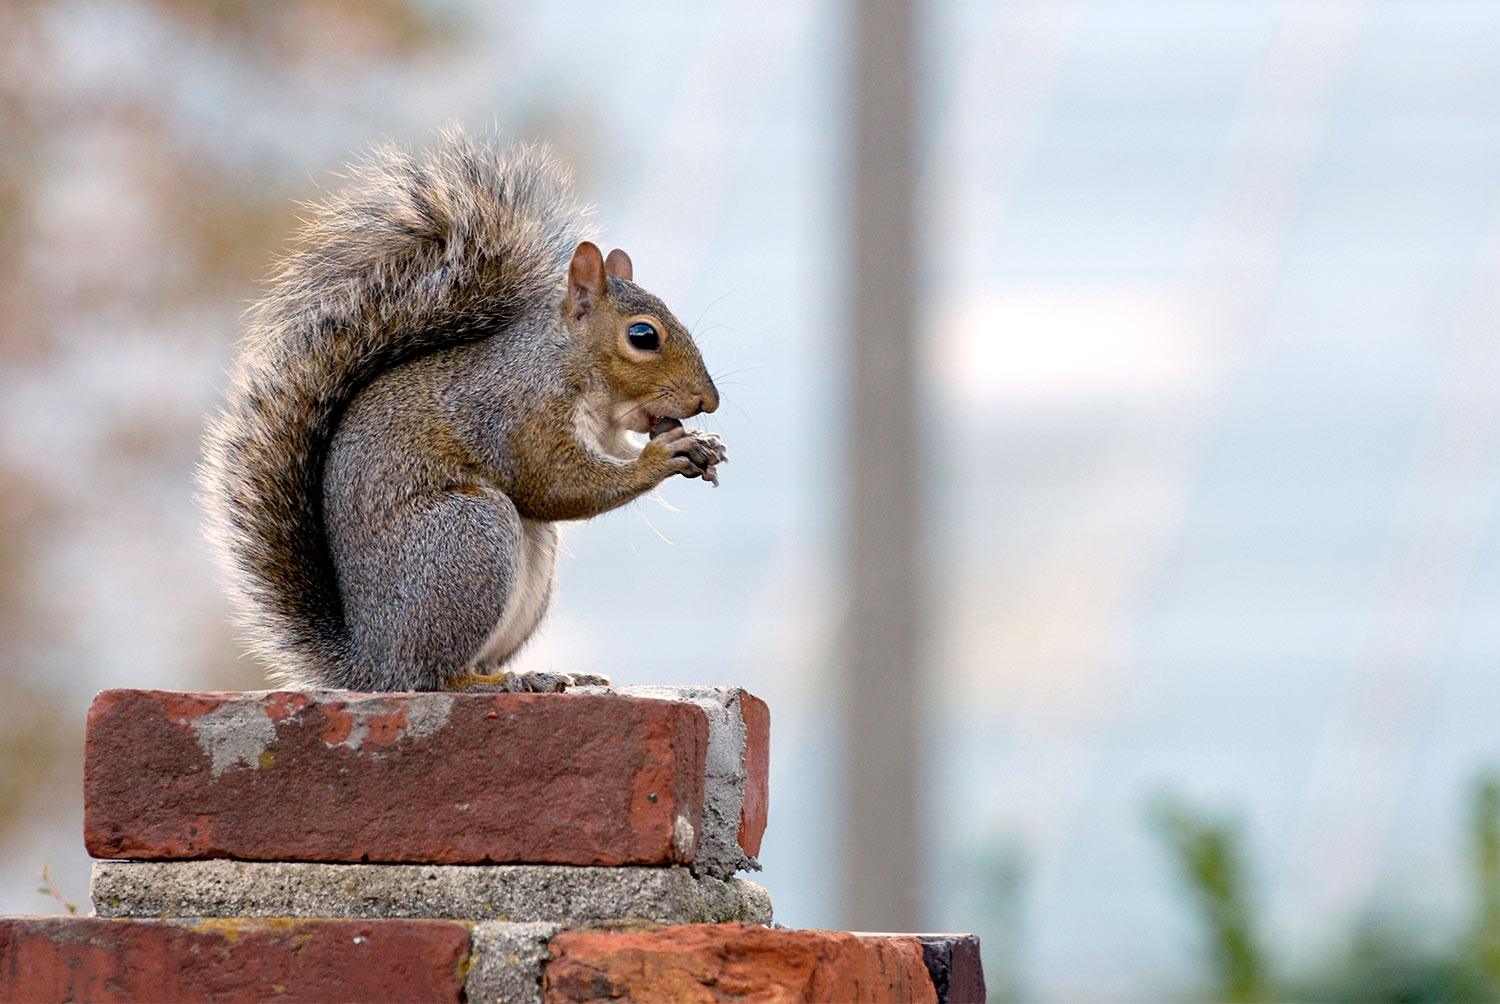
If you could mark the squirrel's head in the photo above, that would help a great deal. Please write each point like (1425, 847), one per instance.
(645, 356)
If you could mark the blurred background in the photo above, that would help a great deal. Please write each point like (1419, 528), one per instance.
(1200, 307)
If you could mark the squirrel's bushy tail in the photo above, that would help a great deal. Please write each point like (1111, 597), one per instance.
(415, 254)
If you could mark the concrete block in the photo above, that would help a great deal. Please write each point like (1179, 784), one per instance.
(93, 959)
(507, 963)
(582, 779)
(557, 894)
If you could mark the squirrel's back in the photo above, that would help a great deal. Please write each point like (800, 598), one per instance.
(413, 255)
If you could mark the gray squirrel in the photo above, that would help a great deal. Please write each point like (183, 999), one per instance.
(443, 368)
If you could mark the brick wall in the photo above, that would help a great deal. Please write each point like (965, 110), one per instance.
(340, 846)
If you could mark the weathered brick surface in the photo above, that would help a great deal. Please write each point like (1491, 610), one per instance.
(425, 778)
(757, 772)
(738, 762)
(732, 962)
(954, 965)
(90, 959)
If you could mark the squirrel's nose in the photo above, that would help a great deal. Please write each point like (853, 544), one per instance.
(709, 403)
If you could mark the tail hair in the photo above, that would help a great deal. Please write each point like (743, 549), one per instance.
(416, 253)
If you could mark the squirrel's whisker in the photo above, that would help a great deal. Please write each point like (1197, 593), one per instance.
(704, 312)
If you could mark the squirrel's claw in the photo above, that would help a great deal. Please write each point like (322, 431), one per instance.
(531, 683)
(703, 451)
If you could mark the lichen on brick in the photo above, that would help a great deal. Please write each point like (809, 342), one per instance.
(235, 734)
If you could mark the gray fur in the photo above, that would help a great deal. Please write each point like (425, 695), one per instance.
(416, 254)
(437, 549)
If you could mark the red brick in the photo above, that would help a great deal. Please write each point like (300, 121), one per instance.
(91, 959)
(732, 962)
(430, 778)
(757, 761)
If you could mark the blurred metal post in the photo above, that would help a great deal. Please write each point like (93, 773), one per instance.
(883, 684)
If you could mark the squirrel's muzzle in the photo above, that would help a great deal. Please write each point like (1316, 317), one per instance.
(709, 402)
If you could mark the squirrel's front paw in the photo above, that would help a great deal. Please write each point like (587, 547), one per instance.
(692, 453)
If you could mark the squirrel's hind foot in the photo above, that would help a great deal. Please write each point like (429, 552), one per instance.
(526, 683)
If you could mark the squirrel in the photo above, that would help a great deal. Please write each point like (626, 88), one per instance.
(443, 368)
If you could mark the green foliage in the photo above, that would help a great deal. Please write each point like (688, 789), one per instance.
(1485, 820)
(49, 888)
(1386, 961)
(1210, 864)
(1383, 960)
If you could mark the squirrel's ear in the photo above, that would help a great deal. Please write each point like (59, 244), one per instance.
(586, 280)
(618, 265)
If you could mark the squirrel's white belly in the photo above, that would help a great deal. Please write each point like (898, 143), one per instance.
(536, 562)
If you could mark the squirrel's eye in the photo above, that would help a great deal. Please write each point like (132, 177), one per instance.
(643, 336)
